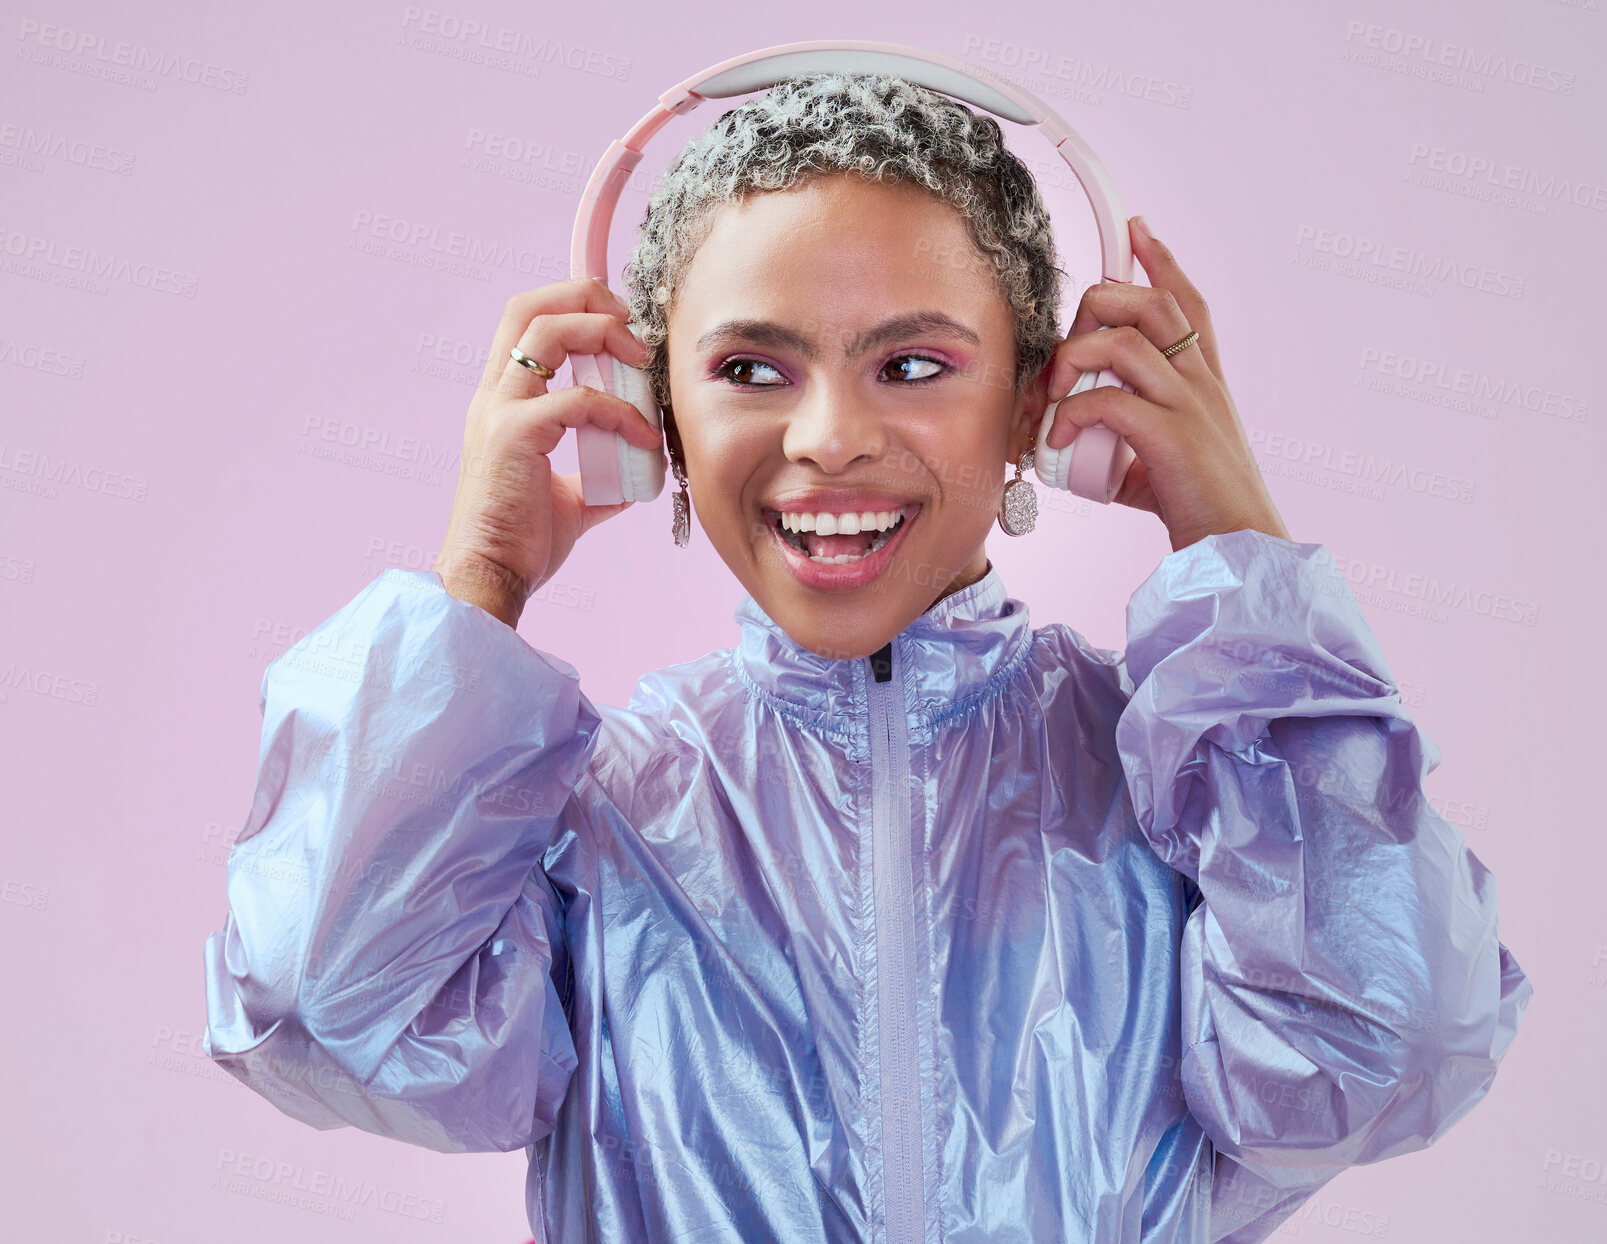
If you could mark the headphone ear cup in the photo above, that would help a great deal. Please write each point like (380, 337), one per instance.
(1096, 461)
(1050, 464)
(641, 471)
(1054, 465)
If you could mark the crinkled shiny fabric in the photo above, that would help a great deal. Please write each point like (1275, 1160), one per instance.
(1024, 940)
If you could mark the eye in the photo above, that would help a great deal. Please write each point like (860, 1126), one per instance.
(899, 359)
(726, 371)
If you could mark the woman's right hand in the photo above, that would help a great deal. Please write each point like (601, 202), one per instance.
(512, 523)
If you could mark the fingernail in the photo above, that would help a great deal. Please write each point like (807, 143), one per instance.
(1144, 225)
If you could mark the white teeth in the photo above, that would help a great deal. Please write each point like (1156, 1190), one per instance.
(840, 559)
(826, 523)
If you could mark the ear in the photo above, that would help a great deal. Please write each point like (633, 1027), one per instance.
(1028, 413)
(672, 435)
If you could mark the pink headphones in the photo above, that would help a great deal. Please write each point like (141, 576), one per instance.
(613, 470)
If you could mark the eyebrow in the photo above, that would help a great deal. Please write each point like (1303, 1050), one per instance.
(779, 336)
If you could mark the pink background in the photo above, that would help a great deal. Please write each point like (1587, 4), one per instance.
(173, 516)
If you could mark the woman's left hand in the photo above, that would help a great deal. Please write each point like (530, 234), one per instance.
(1194, 467)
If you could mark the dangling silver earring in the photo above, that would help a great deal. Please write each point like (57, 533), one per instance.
(681, 523)
(1018, 514)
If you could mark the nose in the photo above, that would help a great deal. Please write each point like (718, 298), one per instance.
(832, 431)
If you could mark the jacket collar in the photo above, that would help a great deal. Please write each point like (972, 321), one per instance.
(960, 649)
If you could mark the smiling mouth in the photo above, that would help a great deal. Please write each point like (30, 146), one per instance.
(837, 550)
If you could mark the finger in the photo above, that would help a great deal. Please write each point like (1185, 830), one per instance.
(581, 295)
(1114, 302)
(551, 339)
(541, 424)
(1125, 350)
(1135, 490)
(1155, 313)
(574, 295)
(1130, 416)
(1164, 272)
(591, 515)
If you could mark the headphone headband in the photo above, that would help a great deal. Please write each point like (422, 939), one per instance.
(762, 69)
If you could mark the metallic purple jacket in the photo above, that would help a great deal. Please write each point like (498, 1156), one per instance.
(1007, 939)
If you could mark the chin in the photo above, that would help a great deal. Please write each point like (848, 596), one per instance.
(826, 641)
(840, 625)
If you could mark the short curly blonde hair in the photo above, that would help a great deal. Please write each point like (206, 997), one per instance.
(884, 128)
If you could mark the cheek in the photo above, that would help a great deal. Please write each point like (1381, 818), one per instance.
(724, 456)
(966, 472)
(724, 473)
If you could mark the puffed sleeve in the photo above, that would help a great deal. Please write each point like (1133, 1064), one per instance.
(393, 952)
(1345, 997)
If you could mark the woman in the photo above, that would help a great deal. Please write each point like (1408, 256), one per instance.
(994, 934)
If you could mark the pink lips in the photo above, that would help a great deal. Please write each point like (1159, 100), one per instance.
(848, 576)
(835, 501)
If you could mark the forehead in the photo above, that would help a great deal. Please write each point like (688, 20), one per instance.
(841, 250)
(836, 213)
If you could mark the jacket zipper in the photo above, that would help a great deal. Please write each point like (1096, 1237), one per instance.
(892, 880)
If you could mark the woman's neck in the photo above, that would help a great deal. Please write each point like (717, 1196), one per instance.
(971, 574)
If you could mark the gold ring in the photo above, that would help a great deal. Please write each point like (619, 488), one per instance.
(519, 356)
(1181, 345)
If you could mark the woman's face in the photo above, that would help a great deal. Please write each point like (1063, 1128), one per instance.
(843, 347)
